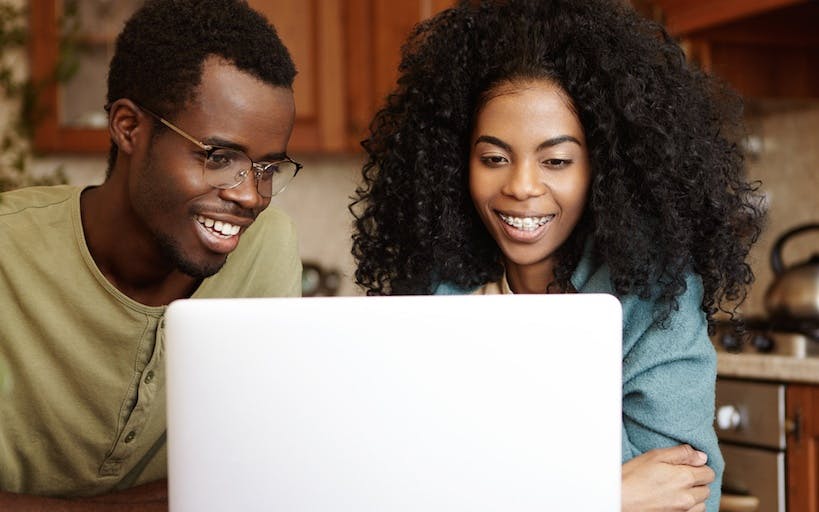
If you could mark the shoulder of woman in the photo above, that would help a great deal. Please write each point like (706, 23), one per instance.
(446, 288)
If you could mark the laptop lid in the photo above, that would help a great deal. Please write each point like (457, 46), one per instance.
(381, 404)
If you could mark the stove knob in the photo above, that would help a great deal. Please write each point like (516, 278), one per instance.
(731, 342)
(762, 343)
(728, 417)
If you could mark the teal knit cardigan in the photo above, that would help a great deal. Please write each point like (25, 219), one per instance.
(669, 371)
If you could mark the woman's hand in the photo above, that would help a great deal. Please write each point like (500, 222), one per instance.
(666, 479)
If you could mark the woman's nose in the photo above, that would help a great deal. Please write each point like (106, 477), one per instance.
(525, 181)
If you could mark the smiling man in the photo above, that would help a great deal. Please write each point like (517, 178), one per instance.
(200, 109)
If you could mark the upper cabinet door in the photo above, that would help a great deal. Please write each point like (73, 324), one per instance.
(313, 31)
(69, 114)
(763, 48)
(346, 53)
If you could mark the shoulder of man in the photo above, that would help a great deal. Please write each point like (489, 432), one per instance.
(15, 201)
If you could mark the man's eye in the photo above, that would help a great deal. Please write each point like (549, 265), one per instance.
(269, 171)
(221, 159)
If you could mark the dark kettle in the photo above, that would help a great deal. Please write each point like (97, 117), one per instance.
(794, 293)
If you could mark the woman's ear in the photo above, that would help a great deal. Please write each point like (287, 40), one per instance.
(125, 122)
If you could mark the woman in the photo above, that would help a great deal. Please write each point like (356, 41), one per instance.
(560, 146)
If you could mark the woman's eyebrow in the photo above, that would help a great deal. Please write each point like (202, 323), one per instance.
(554, 141)
(494, 141)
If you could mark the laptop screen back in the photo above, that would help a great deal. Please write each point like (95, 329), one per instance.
(376, 404)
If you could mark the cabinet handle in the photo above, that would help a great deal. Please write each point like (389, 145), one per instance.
(793, 426)
(737, 503)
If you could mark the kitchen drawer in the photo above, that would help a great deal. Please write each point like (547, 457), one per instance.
(751, 413)
(757, 473)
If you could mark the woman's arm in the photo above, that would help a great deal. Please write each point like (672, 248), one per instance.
(669, 374)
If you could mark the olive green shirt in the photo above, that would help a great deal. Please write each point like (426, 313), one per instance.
(83, 409)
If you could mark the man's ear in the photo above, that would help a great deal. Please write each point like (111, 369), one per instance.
(126, 121)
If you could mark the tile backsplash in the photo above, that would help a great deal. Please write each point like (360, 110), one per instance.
(786, 162)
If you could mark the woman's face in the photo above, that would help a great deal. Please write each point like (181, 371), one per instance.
(529, 171)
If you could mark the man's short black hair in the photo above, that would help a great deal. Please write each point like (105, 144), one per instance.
(161, 50)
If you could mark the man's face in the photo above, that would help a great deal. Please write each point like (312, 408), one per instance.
(196, 225)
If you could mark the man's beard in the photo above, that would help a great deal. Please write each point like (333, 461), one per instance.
(183, 264)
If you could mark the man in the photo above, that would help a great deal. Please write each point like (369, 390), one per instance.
(200, 112)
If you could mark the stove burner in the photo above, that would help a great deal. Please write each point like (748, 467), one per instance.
(767, 336)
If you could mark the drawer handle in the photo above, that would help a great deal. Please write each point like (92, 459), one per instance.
(737, 503)
(728, 417)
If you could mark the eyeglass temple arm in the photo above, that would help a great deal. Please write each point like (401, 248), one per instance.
(162, 120)
(205, 147)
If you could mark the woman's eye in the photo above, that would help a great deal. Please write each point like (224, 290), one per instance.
(493, 160)
(556, 163)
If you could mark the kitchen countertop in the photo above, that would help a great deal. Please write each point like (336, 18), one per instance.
(768, 367)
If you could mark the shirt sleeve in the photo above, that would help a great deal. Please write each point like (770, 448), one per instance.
(669, 375)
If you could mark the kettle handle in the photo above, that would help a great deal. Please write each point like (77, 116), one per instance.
(776, 252)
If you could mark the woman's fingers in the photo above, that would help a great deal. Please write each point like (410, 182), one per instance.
(681, 455)
(702, 475)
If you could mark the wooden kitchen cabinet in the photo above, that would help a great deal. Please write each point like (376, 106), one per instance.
(763, 48)
(346, 53)
(802, 404)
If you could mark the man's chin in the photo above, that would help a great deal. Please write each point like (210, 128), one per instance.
(200, 270)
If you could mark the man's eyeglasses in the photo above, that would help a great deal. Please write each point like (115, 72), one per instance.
(228, 168)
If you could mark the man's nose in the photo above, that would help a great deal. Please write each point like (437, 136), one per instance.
(246, 194)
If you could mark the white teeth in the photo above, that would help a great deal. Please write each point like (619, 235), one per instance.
(526, 223)
(224, 228)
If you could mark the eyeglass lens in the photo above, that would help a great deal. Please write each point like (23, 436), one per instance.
(227, 168)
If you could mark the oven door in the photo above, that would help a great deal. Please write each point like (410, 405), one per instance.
(752, 437)
(753, 473)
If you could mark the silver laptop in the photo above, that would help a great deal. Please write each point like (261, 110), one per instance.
(387, 404)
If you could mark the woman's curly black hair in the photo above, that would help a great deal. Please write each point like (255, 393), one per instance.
(668, 193)
(160, 52)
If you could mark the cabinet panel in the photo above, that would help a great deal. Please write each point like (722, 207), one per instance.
(346, 53)
(376, 31)
(68, 121)
(312, 30)
(685, 16)
(763, 48)
(803, 448)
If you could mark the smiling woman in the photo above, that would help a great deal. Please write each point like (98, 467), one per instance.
(556, 146)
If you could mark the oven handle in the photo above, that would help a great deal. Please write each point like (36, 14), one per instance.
(738, 503)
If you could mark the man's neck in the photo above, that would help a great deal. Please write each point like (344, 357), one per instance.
(124, 252)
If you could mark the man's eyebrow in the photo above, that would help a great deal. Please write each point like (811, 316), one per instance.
(222, 143)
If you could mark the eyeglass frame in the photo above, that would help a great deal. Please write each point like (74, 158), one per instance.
(209, 149)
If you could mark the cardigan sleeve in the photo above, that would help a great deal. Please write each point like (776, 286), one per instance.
(669, 374)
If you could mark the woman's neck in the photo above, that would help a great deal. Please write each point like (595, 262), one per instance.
(533, 278)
